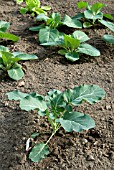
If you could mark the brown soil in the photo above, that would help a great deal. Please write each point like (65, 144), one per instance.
(92, 150)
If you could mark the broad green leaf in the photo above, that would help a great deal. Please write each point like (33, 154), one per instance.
(7, 58)
(4, 26)
(108, 16)
(31, 103)
(89, 15)
(88, 50)
(16, 95)
(78, 16)
(72, 56)
(76, 121)
(24, 56)
(38, 152)
(82, 4)
(74, 23)
(97, 7)
(23, 10)
(8, 36)
(46, 8)
(87, 25)
(41, 17)
(71, 42)
(33, 3)
(3, 48)
(37, 28)
(108, 38)
(80, 36)
(110, 25)
(16, 72)
(88, 93)
(48, 35)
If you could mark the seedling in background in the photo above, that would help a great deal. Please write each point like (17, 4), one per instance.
(93, 15)
(57, 107)
(5, 35)
(108, 38)
(54, 20)
(9, 62)
(33, 6)
(73, 45)
(51, 24)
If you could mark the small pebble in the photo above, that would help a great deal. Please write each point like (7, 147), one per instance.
(108, 107)
(21, 83)
(84, 141)
(90, 158)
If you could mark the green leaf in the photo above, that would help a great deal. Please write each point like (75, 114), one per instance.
(38, 10)
(48, 35)
(74, 23)
(108, 38)
(88, 50)
(97, 7)
(24, 56)
(7, 58)
(87, 25)
(38, 152)
(34, 135)
(52, 94)
(71, 42)
(31, 103)
(23, 10)
(37, 28)
(8, 36)
(82, 4)
(4, 26)
(78, 16)
(110, 25)
(76, 121)
(16, 72)
(72, 56)
(88, 93)
(2, 48)
(89, 15)
(62, 52)
(80, 36)
(1, 66)
(41, 17)
(46, 8)
(16, 95)
(108, 16)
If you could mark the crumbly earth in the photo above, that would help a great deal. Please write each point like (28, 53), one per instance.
(90, 150)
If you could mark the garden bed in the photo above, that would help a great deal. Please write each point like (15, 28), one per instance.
(93, 149)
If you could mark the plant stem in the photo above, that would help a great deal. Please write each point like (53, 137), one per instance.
(52, 134)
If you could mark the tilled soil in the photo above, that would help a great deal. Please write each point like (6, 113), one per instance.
(90, 150)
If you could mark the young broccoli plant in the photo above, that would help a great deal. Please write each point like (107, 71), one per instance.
(93, 15)
(5, 35)
(108, 38)
(33, 6)
(58, 107)
(51, 24)
(73, 45)
(9, 62)
(54, 20)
